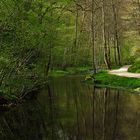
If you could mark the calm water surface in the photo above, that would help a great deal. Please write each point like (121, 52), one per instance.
(67, 109)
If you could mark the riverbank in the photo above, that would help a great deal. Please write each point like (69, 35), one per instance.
(70, 71)
(118, 78)
(113, 81)
(7, 100)
(102, 79)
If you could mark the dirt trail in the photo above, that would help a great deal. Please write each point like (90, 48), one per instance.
(124, 72)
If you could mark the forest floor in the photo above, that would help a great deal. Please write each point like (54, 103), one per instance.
(124, 72)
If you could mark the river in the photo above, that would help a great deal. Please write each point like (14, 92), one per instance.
(67, 109)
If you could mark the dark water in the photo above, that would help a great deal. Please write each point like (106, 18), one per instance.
(70, 110)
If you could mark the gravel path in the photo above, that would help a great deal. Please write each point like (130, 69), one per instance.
(124, 72)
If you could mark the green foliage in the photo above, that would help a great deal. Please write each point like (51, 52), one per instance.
(38, 35)
(127, 46)
(28, 35)
(89, 77)
(78, 70)
(69, 71)
(135, 68)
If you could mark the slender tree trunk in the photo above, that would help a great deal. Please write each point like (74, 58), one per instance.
(115, 53)
(114, 3)
(138, 3)
(48, 64)
(76, 34)
(83, 21)
(93, 37)
(104, 37)
(109, 52)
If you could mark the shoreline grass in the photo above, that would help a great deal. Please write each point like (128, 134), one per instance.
(69, 71)
(105, 79)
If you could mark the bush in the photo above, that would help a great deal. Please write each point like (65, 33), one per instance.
(135, 68)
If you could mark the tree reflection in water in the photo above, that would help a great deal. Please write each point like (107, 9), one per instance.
(69, 110)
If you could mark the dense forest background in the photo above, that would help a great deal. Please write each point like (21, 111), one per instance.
(38, 36)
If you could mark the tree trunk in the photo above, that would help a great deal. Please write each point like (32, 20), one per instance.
(93, 37)
(115, 53)
(138, 2)
(116, 30)
(76, 34)
(106, 60)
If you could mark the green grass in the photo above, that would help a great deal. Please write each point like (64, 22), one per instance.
(103, 78)
(69, 71)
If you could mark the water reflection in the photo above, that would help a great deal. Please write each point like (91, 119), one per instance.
(69, 110)
(25, 122)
